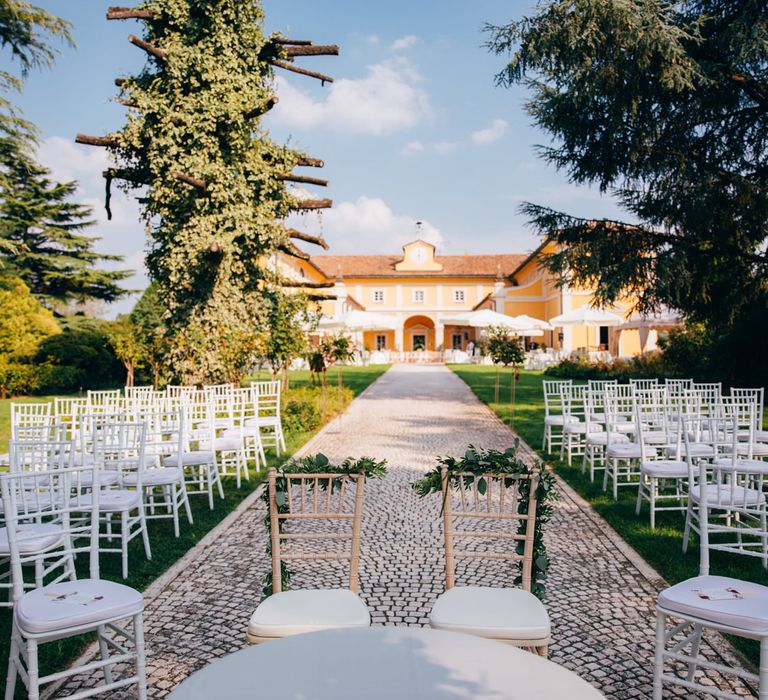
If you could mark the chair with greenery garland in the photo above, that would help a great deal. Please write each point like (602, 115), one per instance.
(498, 500)
(325, 500)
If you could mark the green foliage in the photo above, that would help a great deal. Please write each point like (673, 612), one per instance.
(479, 461)
(652, 365)
(286, 339)
(300, 416)
(127, 344)
(664, 105)
(312, 464)
(18, 379)
(504, 349)
(196, 112)
(24, 323)
(148, 318)
(82, 358)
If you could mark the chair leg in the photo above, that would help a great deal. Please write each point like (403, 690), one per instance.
(763, 671)
(172, 495)
(185, 500)
(687, 529)
(13, 660)
(124, 531)
(104, 651)
(543, 650)
(639, 501)
(653, 488)
(33, 671)
(144, 533)
(658, 665)
(141, 660)
(695, 644)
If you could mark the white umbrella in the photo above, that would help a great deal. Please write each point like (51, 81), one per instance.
(665, 318)
(534, 323)
(587, 316)
(359, 321)
(484, 318)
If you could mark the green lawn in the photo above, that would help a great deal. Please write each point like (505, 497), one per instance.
(662, 547)
(166, 549)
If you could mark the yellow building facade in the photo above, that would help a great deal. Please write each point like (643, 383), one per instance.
(420, 290)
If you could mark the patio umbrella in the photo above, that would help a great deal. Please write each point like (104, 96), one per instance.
(664, 318)
(359, 321)
(484, 318)
(587, 316)
(534, 323)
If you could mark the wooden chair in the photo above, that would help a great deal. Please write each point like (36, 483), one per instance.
(321, 498)
(508, 615)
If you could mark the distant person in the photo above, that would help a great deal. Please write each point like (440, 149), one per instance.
(471, 347)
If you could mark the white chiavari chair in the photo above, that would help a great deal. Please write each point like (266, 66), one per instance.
(724, 604)
(621, 457)
(60, 605)
(573, 400)
(269, 417)
(644, 384)
(26, 415)
(103, 400)
(596, 437)
(553, 414)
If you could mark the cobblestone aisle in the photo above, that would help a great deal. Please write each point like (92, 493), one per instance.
(600, 597)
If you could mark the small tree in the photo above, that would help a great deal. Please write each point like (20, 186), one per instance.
(341, 350)
(24, 322)
(506, 350)
(286, 338)
(148, 317)
(126, 341)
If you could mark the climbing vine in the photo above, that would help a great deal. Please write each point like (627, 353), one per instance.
(212, 182)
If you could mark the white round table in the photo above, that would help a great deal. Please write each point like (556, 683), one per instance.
(386, 663)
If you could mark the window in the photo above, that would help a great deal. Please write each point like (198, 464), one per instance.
(459, 296)
(378, 296)
(381, 342)
(418, 296)
(456, 341)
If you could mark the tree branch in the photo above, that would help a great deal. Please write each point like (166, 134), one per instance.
(189, 180)
(301, 178)
(299, 284)
(149, 48)
(129, 13)
(321, 297)
(292, 251)
(287, 66)
(301, 236)
(294, 42)
(310, 162)
(121, 81)
(123, 174)
(106, 141)
(306, 204)
(306, 50)
(262, 109)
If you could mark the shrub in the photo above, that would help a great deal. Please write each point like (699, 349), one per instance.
(81, 357)
(18, 379)
(300, 416)
(651, 365)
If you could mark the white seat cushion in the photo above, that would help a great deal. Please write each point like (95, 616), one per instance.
(575, 428)
(749, 613)
(162, 476)
(297, 612)
(751, 466)
(75, 603)
(665, 468)
(495, 613)
(32, 537)
(107, 477)
(190, 459)
(222, 444)
(602, 439)
(560, 420)
(109, 501)
(626, 450)
(759, 449)
(696, 449)
(724, 494)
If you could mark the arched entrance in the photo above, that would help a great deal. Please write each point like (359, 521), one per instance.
(419, 333)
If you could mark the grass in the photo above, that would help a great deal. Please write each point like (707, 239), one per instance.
(662, 547)
(166, 549)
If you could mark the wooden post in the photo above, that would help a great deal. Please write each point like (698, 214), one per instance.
(309, 50)
(149, 48)
(311, 162)
(194, 181)
(290, 177)
(274, 529)
(299, 235)
(292, 251)
(294, 69)
(447, 528)
(129, 13)
(354, 561)
(305, 204)
(106, 141)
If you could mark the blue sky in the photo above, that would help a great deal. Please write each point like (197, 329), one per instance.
(413, 128)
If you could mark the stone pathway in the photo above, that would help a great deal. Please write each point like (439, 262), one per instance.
(600, 595)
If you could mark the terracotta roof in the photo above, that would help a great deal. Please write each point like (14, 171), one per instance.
(384, 265)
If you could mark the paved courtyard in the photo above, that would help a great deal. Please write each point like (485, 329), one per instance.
(600, 596)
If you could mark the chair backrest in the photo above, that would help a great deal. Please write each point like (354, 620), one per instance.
(318, 497)
(29, 414)
(33, 503)
(165, 435)
(644, 383)
(120, 445)
(103, 400)
(681, 384)
(489, 497)
(602, 384)
(710, 394)
(268, 397)
(574, 400)
(652, 419)
(39, 454)
(618, 404)
(758, 396)
(553, 395)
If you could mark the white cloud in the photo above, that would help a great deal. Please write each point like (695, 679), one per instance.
(412, 147)
(367, 225)
(387, 99)
(404, 42)
(443, 147)
(492, 133)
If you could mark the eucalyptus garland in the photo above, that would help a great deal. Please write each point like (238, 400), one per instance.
(211, 180)
(312, 464)
(478, 461)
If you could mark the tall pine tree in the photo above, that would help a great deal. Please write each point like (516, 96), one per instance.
(215, 182)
